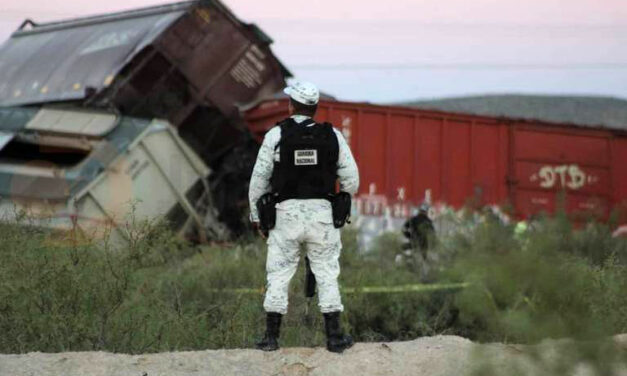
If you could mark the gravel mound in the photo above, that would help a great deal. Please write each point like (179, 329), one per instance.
(432, 356)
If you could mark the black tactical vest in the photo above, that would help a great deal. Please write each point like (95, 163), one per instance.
(308, 161)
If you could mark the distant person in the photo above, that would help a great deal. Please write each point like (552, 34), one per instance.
(293, 201)
(419, 231)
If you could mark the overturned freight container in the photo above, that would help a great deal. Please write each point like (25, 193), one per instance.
(97, 172)
(164, 61)
(193, 63)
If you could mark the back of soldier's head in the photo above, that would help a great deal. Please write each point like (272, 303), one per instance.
(304, 97)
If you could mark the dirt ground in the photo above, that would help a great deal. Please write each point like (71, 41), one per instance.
(433, 356)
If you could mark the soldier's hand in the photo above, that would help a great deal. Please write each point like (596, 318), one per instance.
(259, 230)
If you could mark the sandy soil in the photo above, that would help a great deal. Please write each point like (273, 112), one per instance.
(433, 356)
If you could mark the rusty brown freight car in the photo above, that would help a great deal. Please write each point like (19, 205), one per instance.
(193, 63)
(407, 155)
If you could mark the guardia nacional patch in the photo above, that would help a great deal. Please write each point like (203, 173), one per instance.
(305, 157)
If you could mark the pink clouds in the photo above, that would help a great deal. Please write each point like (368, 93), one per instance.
(353, 32)
(442, 11)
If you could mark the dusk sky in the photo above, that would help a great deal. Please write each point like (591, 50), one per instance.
(397, 50)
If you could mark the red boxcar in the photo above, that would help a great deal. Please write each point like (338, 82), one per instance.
(407, 155)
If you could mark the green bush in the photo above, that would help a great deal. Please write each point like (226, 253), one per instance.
(158, 293)
(553, 281)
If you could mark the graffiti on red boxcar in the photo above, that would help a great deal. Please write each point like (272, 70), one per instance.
(563, 176)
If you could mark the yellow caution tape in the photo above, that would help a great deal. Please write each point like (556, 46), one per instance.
(369, 289)
(405, 288)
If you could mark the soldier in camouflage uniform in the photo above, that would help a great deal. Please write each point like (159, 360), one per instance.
(302, 173)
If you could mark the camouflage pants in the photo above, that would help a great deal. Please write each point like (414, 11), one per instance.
(307, 222)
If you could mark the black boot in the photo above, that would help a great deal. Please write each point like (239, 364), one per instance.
(336, 340)
(270, 341)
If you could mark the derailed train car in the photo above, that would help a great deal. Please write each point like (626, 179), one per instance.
(193, 63)
(408, 155)
(196, 65)
(97, 172)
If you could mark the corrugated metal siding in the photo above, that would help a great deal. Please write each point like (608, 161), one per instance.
(59, 64)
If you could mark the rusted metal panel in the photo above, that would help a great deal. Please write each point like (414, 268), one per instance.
(197, 74)
(408, 155)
